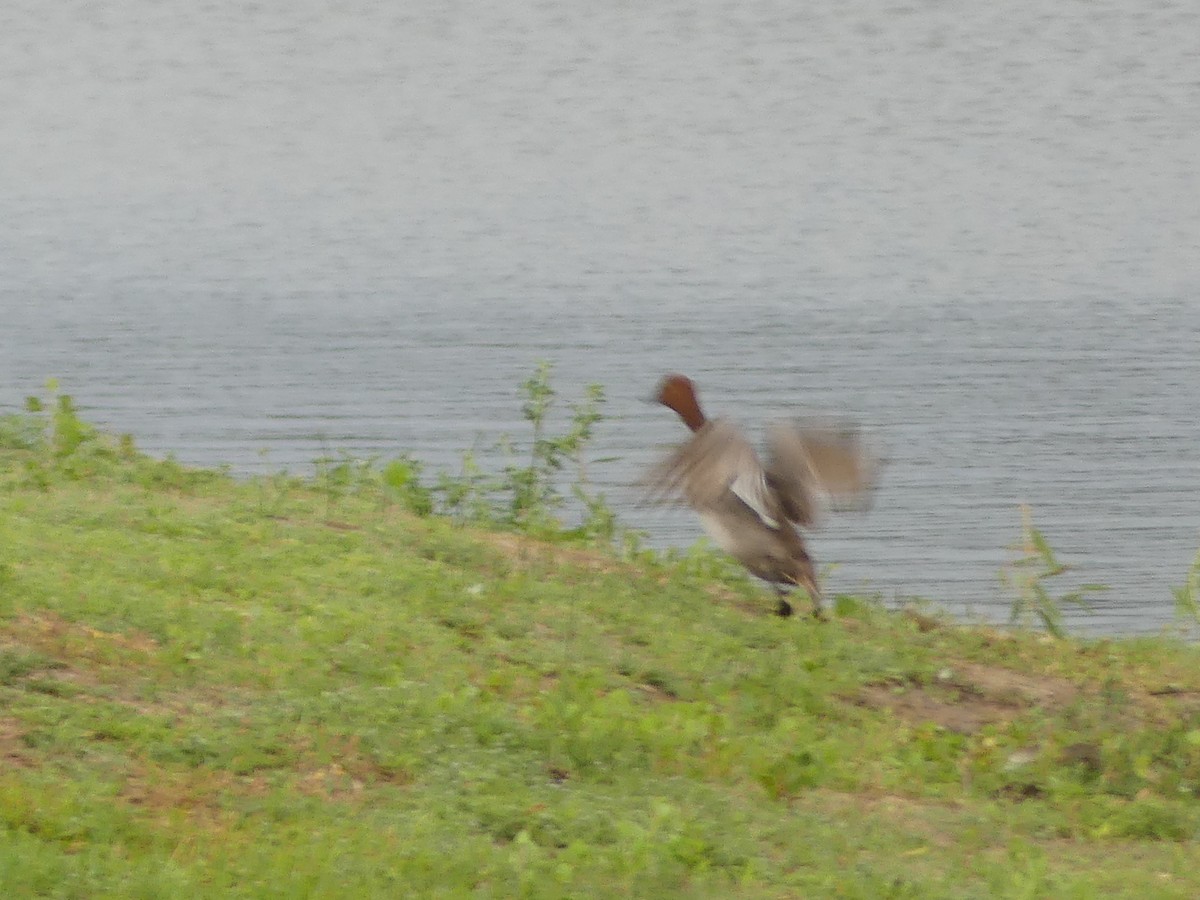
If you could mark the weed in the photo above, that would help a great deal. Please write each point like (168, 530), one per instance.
(527, 496)
(402, 478)
(1187, 596)
(20, 432)
(467, 496)
(341, 475)
(1026, 574)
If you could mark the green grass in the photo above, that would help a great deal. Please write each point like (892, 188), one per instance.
(278, 689)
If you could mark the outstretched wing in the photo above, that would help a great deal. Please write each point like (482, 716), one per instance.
(716, 459)
(807, 462)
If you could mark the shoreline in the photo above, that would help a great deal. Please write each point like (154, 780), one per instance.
(306, 687)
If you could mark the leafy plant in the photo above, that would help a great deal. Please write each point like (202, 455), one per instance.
(21, 431)
(529, 496)
(68, 431)
(1026, 574)
(341, 474)
(402, 478)
(467, 496)
(534, 493)
(61, 442)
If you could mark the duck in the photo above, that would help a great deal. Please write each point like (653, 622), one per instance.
(754, 511)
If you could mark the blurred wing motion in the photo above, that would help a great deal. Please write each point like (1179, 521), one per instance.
(806, 462)
(716, 460)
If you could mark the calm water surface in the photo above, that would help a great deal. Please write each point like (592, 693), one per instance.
(254, 236)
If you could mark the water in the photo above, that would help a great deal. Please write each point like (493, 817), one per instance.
(254, 236)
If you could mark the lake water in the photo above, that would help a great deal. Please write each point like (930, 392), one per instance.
(256, 235)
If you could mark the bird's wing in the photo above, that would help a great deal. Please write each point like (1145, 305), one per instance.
(810, 461)
(716, 459)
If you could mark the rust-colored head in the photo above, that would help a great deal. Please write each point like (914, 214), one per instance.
(678, 393)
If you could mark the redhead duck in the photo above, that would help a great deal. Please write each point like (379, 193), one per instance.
(752, 511)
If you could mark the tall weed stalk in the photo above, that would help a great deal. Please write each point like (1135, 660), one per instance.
(1027, 574)
(1187, 596)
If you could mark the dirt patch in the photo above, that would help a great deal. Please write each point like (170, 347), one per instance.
(87, 665)
(52, 634)
(1028, 690)
(524, 551)
(201, 796)
(966, 696)
(1173, 701)
(13, 751)
(658, 693)
(331, 782)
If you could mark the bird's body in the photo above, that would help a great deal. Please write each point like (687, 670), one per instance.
(752, 511)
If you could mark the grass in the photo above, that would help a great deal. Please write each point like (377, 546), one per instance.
(288, 687)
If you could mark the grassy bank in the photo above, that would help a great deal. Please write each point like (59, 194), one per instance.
(278, 688)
